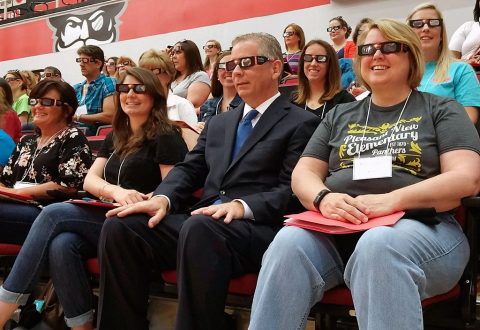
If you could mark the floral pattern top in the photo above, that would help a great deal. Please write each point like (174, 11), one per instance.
(65, 160)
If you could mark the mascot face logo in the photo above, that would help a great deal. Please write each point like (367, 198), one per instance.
(93, 27)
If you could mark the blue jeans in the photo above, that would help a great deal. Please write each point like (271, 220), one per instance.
(62, 236)
(391, 270)
(15, 221)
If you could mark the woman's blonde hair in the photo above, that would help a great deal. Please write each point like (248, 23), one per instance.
(158, 59)
(445, 57)
(399, 32)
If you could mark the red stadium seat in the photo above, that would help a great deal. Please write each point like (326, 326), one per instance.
(9, 249)
(8, 252)
(243, 285)
(93, 267)
(104, 130)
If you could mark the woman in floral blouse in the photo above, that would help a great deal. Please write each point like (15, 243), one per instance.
(140, 151)
(57, 157)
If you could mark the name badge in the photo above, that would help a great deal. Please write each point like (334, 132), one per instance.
(21, 184)
(372, 167)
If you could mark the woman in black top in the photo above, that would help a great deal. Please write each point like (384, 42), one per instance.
(142, 148)
(319, 87)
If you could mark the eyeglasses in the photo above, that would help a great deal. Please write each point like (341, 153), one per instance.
(110, 64)
(177, 50)
(123, 64)
(318, 58)
(420, 23)
(85, 59)
(388, 47)
(209, 47)
(222, 66)
(246, 62)
(126, 88)
(288, 34)
(50, 74)
(157, 71)
(334, 28)
(11, 79)
(46, 102)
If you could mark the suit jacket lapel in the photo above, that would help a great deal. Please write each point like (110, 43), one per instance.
(270, 117)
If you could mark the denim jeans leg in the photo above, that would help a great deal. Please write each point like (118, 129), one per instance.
(54, 219)
(298, 267)
(15, 221)
(66, 257)
(393, 268)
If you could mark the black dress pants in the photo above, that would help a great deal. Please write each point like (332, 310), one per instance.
(209, 254)
(128, 252)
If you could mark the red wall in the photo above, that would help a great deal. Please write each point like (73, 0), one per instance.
(149, 17)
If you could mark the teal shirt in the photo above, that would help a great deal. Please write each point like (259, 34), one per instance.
(6, 147)
(461, 83)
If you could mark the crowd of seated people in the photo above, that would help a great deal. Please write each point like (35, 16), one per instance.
(255, 154)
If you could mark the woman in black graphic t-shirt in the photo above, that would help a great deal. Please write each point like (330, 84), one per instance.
(394, 151)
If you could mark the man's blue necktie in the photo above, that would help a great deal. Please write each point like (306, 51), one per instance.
(243, 131)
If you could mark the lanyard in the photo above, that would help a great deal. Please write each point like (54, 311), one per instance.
(394, 128)
(323, 108)
(119, 169)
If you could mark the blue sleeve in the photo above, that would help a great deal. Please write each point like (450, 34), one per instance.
(467, 88)
(6, 147)
(109, 86)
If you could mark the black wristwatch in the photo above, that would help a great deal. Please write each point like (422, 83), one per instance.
(319, 197)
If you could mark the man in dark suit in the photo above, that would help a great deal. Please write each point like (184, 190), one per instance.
(245, 173)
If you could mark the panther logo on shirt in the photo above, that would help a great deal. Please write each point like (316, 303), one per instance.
(86, 27)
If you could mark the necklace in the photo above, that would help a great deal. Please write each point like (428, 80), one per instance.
(41, 144)
(37, 151)
(291, 55)
(424, 87)
(323, 108)
(119, 169)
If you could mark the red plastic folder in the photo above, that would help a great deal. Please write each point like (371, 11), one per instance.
(17, 198)
(317, 222)
(92, 202)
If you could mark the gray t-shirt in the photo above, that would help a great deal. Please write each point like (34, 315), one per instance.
(430, 125)
(181, 88)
